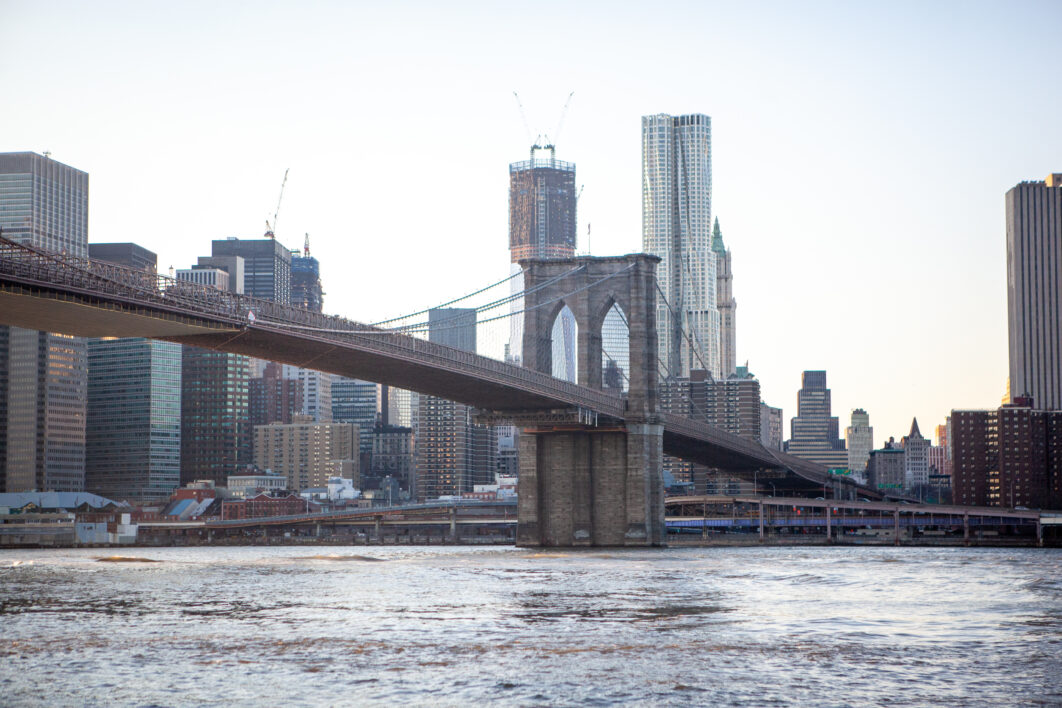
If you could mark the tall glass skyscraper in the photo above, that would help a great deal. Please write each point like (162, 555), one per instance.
(677, 227)
(134, 419)
(43, 376)
(133, 440)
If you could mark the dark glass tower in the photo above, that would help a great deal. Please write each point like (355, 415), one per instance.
(43, 376)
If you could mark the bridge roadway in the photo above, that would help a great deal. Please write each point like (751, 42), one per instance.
(81, 297)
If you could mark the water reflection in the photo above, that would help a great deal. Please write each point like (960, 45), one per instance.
(747, 626)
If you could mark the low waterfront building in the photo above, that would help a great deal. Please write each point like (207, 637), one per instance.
(264, 505)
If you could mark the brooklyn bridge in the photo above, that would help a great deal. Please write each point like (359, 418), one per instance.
(590, 459)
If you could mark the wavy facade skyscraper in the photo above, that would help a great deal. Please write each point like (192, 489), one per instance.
(677, 227)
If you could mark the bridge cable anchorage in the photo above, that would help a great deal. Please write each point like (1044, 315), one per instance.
(490, 305)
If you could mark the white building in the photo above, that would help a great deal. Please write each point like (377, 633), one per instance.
(859, 439)
(677, 227)
(916, 458)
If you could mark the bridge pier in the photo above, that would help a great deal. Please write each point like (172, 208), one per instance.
(591, 486)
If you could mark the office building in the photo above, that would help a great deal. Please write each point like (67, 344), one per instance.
(306, 291)
(1034, 291)
(1008, 457)
(733, 405)
(266, 266)
(859, 439)
(392, 455)
(886, 467)
(129, 255)
(677, 227)
(273, 398)
(451, 452)
(355, 401)
(316, 391)
(772, 427)
(306, 452)
(814, 432)
(215, 408)
(726, 304)
(916, 459)
(43, 376)
(133, 436)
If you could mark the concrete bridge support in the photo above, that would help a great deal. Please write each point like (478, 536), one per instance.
(592, 486)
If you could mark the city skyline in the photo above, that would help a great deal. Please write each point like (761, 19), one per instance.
(820, 196)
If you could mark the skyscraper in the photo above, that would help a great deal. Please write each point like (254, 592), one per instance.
(1034, 291)
(542, 203)
(451, 452)
(916, 458)
(355, 401)
(216, 436)
(542, 224)
(677, 227)
(133, 441)
(43, 376)
(859, 438)
(306, 280)
(266, 266)
(724, 297)
(814, 431)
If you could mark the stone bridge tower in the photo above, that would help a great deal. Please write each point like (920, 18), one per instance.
(583, 481)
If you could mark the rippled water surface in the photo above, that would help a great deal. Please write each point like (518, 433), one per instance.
(453, 626)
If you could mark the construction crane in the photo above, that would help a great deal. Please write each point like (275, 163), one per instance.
(523, 117)
(560, 123)
(306, 247)
(272, 228)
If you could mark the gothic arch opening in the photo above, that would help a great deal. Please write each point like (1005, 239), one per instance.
(615, 350)
(564, 341)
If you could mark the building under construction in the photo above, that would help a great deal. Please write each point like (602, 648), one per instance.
(542, 199)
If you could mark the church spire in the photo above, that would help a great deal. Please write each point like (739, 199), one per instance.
(717, 239)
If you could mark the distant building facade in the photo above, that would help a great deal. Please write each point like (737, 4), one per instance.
(355, 401)
(886, 468)
(306, 452)
(1007, 457)
(43, 376)
(814, 431)
(916, 458)
(1034, 291)
(859, 439)
(726, 304)
(451, 452)
(266, 266)
(772, 427)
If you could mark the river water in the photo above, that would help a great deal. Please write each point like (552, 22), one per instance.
(462, 625)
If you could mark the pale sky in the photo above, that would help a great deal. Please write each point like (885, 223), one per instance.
(861, 153)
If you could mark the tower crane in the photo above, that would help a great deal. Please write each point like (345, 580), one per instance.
(560, 123)
(271, 228)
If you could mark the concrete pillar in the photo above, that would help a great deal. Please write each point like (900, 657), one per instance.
(966, 529)
(528, 532)
(896, 526)
(453, 523)
(829, 524)
(591, 487)
(376, 527)
(761, 520)
(1039, 533)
